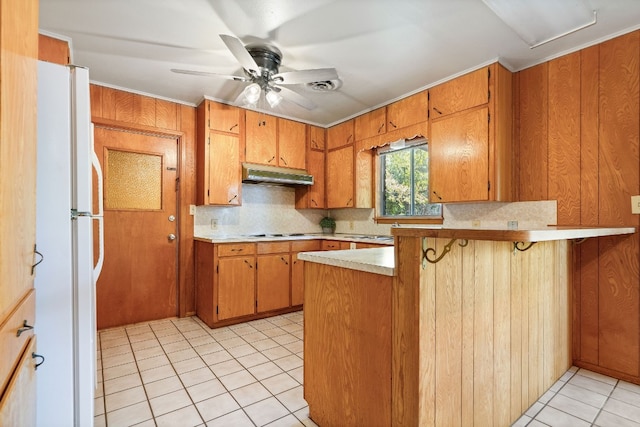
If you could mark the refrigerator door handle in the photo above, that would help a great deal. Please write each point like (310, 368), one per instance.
(99, 216)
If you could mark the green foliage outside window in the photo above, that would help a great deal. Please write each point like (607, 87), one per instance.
(405, 183)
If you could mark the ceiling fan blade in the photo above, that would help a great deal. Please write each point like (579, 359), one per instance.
(306, 76)
(208, 74)
(296, 98)
(240, 52)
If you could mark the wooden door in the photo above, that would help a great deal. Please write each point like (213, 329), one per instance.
(236, 287)
(340, 178)
(139, 279)
(261, 138)
(292, 142)
(273, 282)
(225, 175)
(459, 157)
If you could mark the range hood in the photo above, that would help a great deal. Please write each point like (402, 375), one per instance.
(261, 174)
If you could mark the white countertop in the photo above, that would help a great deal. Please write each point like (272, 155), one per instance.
(373, 260)
(362, 238)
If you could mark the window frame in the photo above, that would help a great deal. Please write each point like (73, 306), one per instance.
(398, 146)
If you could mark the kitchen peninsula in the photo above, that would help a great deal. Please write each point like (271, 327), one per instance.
(464, 327)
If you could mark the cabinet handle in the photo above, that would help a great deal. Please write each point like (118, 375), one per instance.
(233, 198)
(37, 356)
(314, 143)
(349, 138)
(262, 123)
(436, 110)
(237, 250)
(247, 262)
(380, 128)
(234, 126)
(33, 267)
(392, 124)
(271, 159)
(437, 195)
(284, 260)
(349, 201)
(25, 327)
(314, 202)
(284, 161)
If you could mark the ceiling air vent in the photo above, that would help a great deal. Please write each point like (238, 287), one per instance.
(324, 86)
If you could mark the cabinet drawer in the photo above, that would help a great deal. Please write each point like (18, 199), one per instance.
(11, 345)
(306, 246)
(273, 247)
(233, 249)
(330, 245)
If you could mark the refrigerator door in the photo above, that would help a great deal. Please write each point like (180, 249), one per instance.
(82, 243)
(65, 287)
(54, 280)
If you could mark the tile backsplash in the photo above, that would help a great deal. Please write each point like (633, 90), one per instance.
(265, 209)
(271, 209)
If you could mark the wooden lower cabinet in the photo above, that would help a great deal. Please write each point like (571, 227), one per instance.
(237, 282)
(18, 404)
(273, 276)
(236, 287)
(297, 268)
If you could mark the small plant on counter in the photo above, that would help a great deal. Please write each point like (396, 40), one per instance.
(328, 225)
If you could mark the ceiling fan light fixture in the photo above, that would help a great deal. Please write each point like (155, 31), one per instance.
(273, 98)
(252, 93)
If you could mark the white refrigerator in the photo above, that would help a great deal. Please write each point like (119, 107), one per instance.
(66, 277)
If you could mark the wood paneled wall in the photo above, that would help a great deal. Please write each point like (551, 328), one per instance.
(143, 113)
(578, 142)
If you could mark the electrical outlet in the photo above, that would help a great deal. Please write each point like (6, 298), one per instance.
(475, 223)
(192, 209)
(512, 225)
(350, 225)
(635, 205)
(214, 223)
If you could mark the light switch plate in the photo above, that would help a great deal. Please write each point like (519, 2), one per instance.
(192, 209)
(635, 205)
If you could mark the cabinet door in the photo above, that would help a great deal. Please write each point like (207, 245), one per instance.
(371, 124)
(459, 94)
(315, 167)
(18, 404)
(459, 157)
(317, 137)
(273, 282)
(408, 111)
(223, 117)
(340, 175)
(297, 280)
(224, 169)
(261, 142)
(292, 138)
(340, 135)
(236, 287)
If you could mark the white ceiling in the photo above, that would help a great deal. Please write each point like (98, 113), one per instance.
(383, 50)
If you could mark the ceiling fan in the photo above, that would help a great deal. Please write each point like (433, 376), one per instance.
(260, 63)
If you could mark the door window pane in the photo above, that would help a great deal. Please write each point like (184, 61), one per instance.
(133, 181)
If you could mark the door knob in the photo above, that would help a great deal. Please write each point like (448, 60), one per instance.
(171, 237)
(172, 218)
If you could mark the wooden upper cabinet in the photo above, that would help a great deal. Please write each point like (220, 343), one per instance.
(371, 124)
(408, 111)
(224, 174)
(470, 151)
(458, 158)
(223, 117)
(340, 135)
(292, 138)
(53, 50)
(317, 138)
(467, 91)
(340, 178)
(313, 196)
(261, 138)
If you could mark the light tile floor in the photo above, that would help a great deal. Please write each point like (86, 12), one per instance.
(585, 398)
(179, 372)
